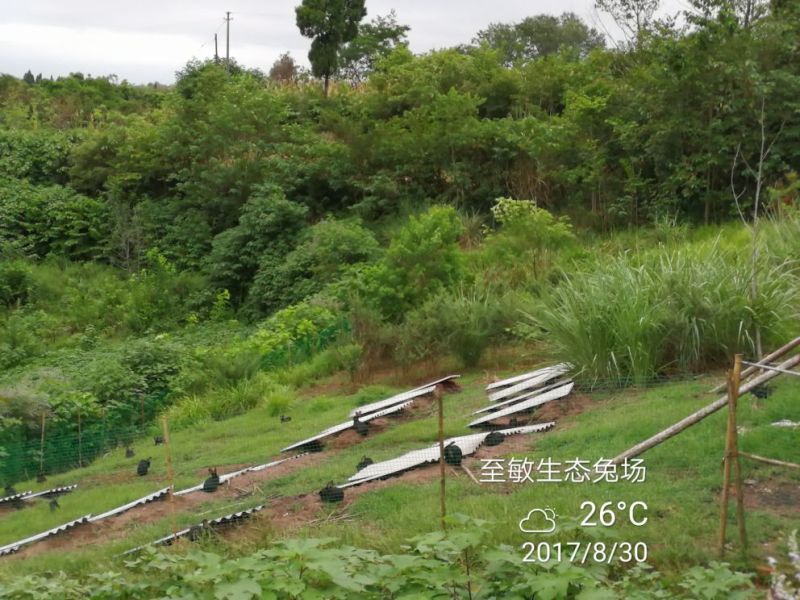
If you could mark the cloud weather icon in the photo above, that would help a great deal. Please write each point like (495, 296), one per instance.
(539, 520)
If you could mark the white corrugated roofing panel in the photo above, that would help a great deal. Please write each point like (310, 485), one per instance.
(327, 432)
(229, 476)
(554, 394)
(535, 428)
(53, 492)
(543, 377)
(19, 496)
(520, 398)
(125, 507)
(426, 388)
(467, 443)
(231, 518)
(397, 399)
(348, 424)
(516, 379)
(11, 548)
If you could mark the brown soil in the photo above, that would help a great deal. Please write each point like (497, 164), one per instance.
(120, 525)
(290, 513)
(771, 495)
(572, 405)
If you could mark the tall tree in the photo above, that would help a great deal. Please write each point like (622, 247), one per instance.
(375, 40)
(539, 36)
(633, 17)
(330, 24)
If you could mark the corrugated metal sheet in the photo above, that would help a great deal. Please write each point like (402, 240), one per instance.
(538, 400)
(160, 494)
(467, 443)
(518, 378)
(348, 424)
(19, 496)
(229, 476)
(53, 492)
(11, 548)
(526, 396)
(422, 390)
(212, 524)
(537, 381)
(375, 406)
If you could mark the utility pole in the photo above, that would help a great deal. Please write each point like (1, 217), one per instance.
(216, 54)
(228, 36)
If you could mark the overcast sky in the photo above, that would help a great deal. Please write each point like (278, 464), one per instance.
(148, 40)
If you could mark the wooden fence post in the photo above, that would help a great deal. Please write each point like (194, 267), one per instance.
(732, 460)
(170, 472)
(441, 459)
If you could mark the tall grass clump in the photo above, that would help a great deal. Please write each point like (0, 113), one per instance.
(664, 312)
(228, 401)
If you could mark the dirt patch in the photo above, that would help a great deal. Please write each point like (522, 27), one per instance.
(772, 495)
(572, 405)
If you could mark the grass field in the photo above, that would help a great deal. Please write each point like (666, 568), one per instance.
(681, 490)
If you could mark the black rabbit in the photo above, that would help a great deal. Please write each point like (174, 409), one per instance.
(212, 483)
(143, 467)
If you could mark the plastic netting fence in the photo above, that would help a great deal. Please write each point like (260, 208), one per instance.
(23, 457)
(25, 453)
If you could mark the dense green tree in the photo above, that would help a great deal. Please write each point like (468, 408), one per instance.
(330, 24)
(375, 41)
(325, 252)
(538, 36)
(267, 231)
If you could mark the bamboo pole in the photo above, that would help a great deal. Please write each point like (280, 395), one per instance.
(701, 414)
(441, 461)
(726, 467)
(170, 472)
(737, 462)
(776, 354)
(769, 461)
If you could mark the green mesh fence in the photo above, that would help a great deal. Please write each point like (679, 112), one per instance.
(24, 455)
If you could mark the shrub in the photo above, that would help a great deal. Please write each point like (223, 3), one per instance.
(16, 283)
(327, 250)
(422, 259)
(462, 322)
(268, 228)
(527, 243)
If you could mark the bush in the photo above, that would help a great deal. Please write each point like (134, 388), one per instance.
(463, 322)
(40, 220)
(327, 250)
(16, 284)
(422, 259)
(268, 228)
(526, 245)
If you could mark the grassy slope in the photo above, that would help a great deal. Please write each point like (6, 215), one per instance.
(683, 474)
